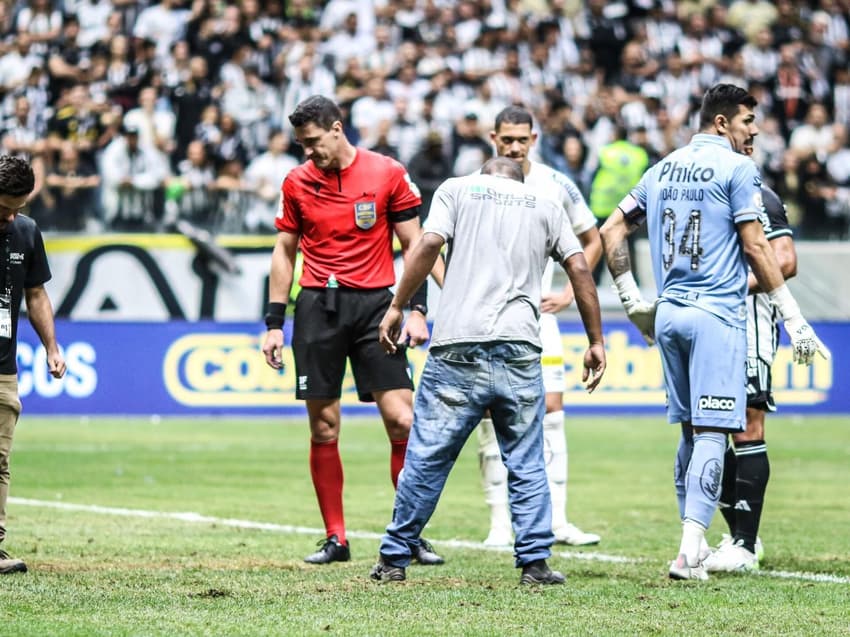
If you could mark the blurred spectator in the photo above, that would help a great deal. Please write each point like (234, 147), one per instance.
(93, 16)
(264, 176)
(176, 67)
(790, 90)
(635, 69)
(574, 163)
(468, 146)
(621, 165)
(233, 196)
(759, 57)
(189, 194)
(132, 172)
(751, 16)
(816, 136)
(19, 136)
(70, 193)
(369, 111)
(306, 77)
(428, 168)
(605, 34)
(788, 26)
(68, 63)
(814, 189)
(662, 29)
(189, 99)
(255, 106)
(841, 95)
(768, 148)
(162, 23)
(679, 86)
(485, 106)
(702, 49)
(230, 148)
(155, 126)
(348, 42)
(122, 82)
(17, 62)
(42, 23)
(208, 129)
(76, 122)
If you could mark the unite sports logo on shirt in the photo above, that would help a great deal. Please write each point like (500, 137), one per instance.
(480, 193)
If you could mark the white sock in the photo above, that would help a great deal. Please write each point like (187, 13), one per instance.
(494, 475)
(693, 536)
(555, 445)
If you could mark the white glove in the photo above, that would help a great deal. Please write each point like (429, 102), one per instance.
(639, 311)
(803, 339)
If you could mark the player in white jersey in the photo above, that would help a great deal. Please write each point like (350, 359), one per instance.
(513, 138)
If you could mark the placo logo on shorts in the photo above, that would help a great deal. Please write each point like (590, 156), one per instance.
(717, 403)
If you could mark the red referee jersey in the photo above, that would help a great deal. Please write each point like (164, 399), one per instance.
(345, 218)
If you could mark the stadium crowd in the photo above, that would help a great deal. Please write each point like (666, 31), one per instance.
(136, 115)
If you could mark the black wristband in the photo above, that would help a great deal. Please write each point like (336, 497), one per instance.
(420, 297)
(275, 316)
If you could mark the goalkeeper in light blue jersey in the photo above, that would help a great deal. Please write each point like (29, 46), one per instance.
(701, 205)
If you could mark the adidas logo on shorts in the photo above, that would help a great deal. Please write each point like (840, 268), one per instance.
(717, 403)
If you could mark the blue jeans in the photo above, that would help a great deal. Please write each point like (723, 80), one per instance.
(458, 384)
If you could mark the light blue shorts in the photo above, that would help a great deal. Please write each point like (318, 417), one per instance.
(705, 365)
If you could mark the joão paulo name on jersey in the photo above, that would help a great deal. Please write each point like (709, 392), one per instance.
(692, 202)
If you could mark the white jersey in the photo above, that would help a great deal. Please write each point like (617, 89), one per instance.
(500, 233)
(548, 182)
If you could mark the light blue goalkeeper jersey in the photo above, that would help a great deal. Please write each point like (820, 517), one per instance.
(692, 201)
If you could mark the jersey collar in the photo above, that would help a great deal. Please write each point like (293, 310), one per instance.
(707, 138)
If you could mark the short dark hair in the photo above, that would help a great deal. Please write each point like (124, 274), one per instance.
(513, 115)
(504, 167)
(723, 99)
(16, 176)
(316, 109)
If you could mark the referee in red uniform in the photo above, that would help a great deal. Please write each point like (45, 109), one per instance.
(343, 205)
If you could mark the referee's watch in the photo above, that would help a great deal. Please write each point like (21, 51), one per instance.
(422, 309)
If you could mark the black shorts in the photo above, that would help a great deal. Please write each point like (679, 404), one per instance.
(759, 390)
(322, 341)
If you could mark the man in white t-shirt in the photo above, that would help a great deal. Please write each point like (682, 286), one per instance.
(513, 138)
(485, 354)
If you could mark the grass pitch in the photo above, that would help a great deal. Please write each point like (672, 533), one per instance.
(134, 567)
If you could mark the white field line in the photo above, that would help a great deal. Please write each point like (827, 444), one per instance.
(189, 516)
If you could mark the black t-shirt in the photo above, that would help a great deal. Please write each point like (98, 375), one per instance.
(23, 264)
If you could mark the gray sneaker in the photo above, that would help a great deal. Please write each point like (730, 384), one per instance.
(425, 554)
(383, 572)
(538, 572)
(10, 564)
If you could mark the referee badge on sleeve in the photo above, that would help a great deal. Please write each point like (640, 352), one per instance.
(365, 214)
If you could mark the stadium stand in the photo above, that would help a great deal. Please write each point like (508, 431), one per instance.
(138, 114)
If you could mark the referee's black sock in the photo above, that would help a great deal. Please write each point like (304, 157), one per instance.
(753, 474)
(727, 488)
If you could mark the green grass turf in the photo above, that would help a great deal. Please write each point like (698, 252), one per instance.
(99, 574)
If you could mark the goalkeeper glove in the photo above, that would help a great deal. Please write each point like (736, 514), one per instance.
(804, 341)
(639, 311)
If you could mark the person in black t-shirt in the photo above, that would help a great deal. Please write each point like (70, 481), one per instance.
(23, 273)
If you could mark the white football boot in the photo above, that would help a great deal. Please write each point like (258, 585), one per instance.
(680, 569)
(573, 536)
(731, 557)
